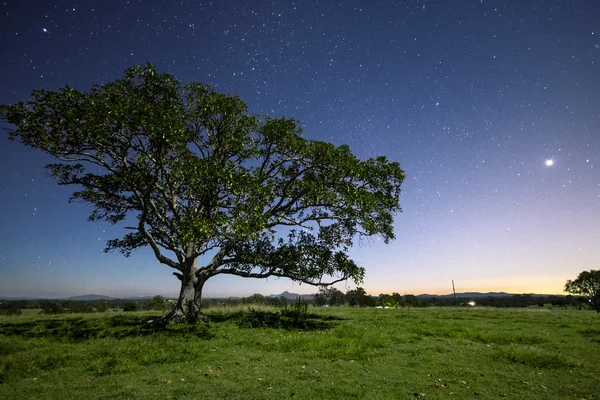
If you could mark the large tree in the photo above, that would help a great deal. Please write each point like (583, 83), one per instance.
(586, 284)
(205, 179)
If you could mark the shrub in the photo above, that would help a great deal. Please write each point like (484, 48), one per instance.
(130, 306)
(51, 307)
(297, 313)
(10, 311)
(295, 316)
(259, 319)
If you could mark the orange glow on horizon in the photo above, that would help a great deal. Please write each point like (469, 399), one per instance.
(555, 288)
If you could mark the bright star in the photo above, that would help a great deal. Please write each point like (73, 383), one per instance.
(549, 163)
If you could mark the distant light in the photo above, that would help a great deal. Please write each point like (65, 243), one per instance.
(549, 163)
(471, 303)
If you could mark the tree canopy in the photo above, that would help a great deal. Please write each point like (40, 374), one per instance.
(204, 178)
(587, 283)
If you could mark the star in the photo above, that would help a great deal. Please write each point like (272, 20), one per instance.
(485, 123)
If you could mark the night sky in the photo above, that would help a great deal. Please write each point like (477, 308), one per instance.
(491, 107)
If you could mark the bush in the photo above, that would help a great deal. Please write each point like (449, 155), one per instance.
(157, 303)
(297, 313)
(10, 311)
(260, 319)
(130, 306)
(51, 307)
(295, 316)
(101, 306)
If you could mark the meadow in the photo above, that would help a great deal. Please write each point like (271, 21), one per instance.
(405, 353)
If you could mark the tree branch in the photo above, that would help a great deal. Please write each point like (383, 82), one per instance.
(264, 275)
(142, 228)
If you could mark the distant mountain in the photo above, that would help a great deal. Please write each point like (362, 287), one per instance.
(293, 296)
(286, 294)
(90, 297)
(219, 298)
(466, 294)
(479, 294)
(18, 298)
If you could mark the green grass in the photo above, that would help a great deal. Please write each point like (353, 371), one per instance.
(340, 353)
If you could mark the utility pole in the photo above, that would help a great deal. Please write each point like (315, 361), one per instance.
(454, 291)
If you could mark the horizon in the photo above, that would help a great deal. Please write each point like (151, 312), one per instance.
(491, 109)
(175, 296)
(303, 293)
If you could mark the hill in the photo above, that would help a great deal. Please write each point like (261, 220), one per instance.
(479, 294)
(468, 294)
(90, 297)
(293, 296)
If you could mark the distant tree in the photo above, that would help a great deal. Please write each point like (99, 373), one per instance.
(398, 299)
(352, 298)
(79, 306)
(280, 301)
(203, 177)
(522, 300)
(255, 299)
(51, 307)
(586, 284)
(386, 300)
(411, 300)
(158, 303)
(320, 300)
(11, 307)
(130, 306)
(283, 301)
(333, 296)
(101, 305)
(434, 301)
(359, 297)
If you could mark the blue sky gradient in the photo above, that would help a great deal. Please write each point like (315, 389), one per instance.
(471, 98)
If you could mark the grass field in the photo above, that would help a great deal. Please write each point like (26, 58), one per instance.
(431, 353)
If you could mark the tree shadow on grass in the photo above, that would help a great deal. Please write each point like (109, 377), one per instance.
(119, 326)
(76, 329)
(282, 319)
(218, 316)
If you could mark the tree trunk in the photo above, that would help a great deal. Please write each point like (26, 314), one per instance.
(188, 308)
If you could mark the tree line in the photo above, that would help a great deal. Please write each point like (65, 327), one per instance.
(359, 298)
(60, 306)
(328, 297)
